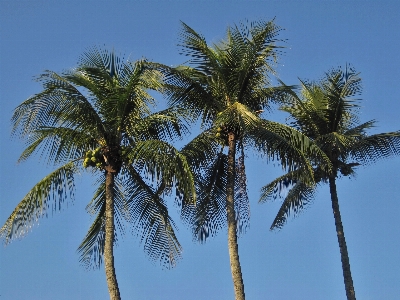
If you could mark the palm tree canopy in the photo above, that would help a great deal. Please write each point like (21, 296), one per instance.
(327, 112)
(100, 117)
(236, 69)
(228, 85)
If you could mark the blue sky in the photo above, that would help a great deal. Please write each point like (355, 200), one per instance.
(302, 260)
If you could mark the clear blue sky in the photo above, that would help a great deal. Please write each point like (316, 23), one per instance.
(301, 261)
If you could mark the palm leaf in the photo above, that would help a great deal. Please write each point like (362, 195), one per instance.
(201, 149)
(377, 146)
(163, 163)
(297, 195)
(60, 104)
(58, 144)
(291, 147)
(152, 223)
(209, 214)
(298, 198)
(190, 89)
(48, 194)
(164, 125)
(91, 248)
(195, 46)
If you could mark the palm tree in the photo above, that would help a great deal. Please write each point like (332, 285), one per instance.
(98, 118)
(228, 86)
(327, 113)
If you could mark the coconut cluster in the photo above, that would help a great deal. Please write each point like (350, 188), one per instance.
(94, 158)
(221, 132)
(222, 135)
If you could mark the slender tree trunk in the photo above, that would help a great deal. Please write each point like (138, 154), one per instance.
(348, 280)
(232, 235)
(109, 239)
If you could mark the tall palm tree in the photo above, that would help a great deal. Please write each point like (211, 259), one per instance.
(327, 113)
(227, 85)
(98, 118)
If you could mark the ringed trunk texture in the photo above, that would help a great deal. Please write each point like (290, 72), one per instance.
(230, 209)
(348, 280)
(109, 239)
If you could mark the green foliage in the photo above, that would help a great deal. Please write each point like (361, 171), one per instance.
(228, 86)
(326, 112)
(99, 117)
(48, 194)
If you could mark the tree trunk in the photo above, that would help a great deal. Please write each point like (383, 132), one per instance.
(348, 280)
(230, 209)
(109, 239)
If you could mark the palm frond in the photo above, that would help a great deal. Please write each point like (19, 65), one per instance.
(166, 125)
(201, 150)
(195, 46)
(297, 199)
(190, 89)
(152, 223)
(291, 147)
(209, 214)
(58, 144)
(359, 131)
(101, 59)
(163, 163)
(296, 194)
(280, 186)
(371, 148)
(251, 52)
(234, 70)
(60, 104)
(335, 142)
(91, 248)
(340, 87)
(48, 194)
